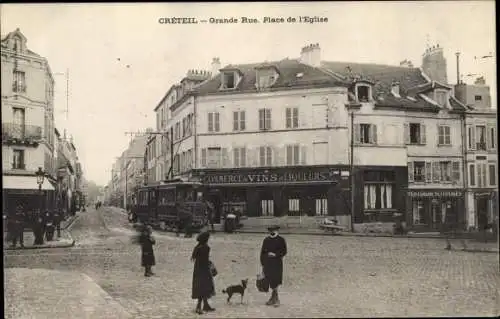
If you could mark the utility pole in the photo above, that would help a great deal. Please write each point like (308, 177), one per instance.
(352, 171)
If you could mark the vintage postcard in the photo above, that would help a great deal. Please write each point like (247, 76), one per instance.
(233, 160)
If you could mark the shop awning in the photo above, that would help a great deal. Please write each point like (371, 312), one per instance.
(24, 182)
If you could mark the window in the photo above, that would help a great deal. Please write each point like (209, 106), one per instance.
(472, 175)
(267, 206)
(177, 130)
(378, 196)
(265, 156)
(478, 98)
(292, 117)
(481, 175)
(228, 80)
(481, 138)
(240, 157)
(264, 119)
(416, 133)
(441, 98)
(18, 159)
(492, 173)
(294, 205)
(204, 157)
(493, 138)
(445, 169)
(239, 121)
(363, 93)
(19, 121)
(418, 213)
(321, 206)
(17, 44)
(265, 81)
(367, 133)
(214, 156)
(419, 171)
(19, 85)
(444, 135)
(292, 154)
(184, 127)
(213, 122)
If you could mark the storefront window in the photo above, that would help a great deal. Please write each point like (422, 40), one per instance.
(378, 196)
(267, 206)
(418, 213)
(321, 206)
(294, 205)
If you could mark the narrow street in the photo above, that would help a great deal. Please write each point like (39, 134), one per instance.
(324, 276)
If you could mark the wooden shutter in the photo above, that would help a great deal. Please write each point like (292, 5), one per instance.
(436, 172)
(357, 132)
(301, 115)
(455, 171)
(261, 154)
(235, 121)
(261, 119)
(406, 132)
(489, 140)
(243, 120)
(374, 133)
(303, 155)
(226, 161)
(210, 124)
(423, 135)
(428, 172)
(472, 137)
(288, 117)
(217, 122)
(410, 172)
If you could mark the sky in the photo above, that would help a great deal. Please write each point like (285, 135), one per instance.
(107, 99)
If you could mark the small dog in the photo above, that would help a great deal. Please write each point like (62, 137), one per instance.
(236, 289)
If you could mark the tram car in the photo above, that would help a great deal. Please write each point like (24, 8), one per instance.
(162, 206)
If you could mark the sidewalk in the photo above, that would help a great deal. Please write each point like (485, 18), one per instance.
(64, 241)
(57, 294)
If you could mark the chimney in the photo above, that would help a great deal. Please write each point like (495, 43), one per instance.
(216, 66)
(395, 89)
(480, 81)
(311, 55)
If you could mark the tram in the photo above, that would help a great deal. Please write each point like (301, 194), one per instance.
(164, 205)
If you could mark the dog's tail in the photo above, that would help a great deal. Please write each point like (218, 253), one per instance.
(223, 291)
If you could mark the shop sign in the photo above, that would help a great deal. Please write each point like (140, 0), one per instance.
(272, 177)
(435, 194)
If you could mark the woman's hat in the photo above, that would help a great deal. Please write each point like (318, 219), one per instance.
(273, 227)
(203, 237)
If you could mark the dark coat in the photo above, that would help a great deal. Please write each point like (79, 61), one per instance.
(203, 282)
(273, 266)
(148, 255)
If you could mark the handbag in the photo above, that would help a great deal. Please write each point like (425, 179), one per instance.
(262, 283)
(213, 270)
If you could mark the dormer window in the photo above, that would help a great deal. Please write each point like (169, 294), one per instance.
(228, 80)
(363, 92)
(265, 78)
(441, 97)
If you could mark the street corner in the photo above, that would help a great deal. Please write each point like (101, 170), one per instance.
(47, 296)
(65, 241)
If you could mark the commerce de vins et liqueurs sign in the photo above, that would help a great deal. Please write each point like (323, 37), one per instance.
(274, 177)
(435, 194)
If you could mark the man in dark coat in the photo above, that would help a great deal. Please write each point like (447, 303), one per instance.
(271, 258)
(451, 230)
(147, 257)
(203, 282)
(18, 223)
(38, 228)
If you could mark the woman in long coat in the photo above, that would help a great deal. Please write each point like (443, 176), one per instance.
(271, 258)
(147, 257)
(203, 282)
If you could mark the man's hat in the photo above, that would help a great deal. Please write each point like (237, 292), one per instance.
(273, 227)
(203, 237)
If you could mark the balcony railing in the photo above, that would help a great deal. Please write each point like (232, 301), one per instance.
(18, 166)
(19, 87)
(20, 132)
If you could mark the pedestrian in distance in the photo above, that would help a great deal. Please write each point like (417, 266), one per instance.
(450, 229)
(18, 223)
(147, 241)
(57, 221)
(271, 258)
(38, 227)
(203, 287)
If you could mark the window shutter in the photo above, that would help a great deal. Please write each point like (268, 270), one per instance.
(423, 135)
(243, 120)
(455, 171)
(268, 119)
(288, 117)
(472, 133)
(374, 132)
(235, 121)
(262, 155)
(217, 123)
(440, 137)
(303, 155)
(407, 133)
(269, 156)
(210, 124)
(261, 119)
(253, 157)
(236, 153)
(490, 138)
(410, 172)
(436, 172)
(428, 172)
(301, 115)
(226, 162)
(357, 132)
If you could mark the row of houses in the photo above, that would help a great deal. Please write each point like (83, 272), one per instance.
(30, 140)
(296, 136)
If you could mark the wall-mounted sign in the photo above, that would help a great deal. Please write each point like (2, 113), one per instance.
(435, 194)
(271, 177)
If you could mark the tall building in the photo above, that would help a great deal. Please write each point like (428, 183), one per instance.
(27, 125)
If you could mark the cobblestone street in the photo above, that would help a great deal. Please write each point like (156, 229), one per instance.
(324, 276)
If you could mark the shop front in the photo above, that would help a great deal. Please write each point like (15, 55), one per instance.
(277, 191)
(429, 208)
(486, 207)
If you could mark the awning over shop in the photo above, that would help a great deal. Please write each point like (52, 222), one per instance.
(25, 182)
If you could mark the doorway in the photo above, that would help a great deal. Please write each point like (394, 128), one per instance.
(482, 211)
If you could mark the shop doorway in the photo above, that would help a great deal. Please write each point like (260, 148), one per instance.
(216, 201)
(482, 211)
